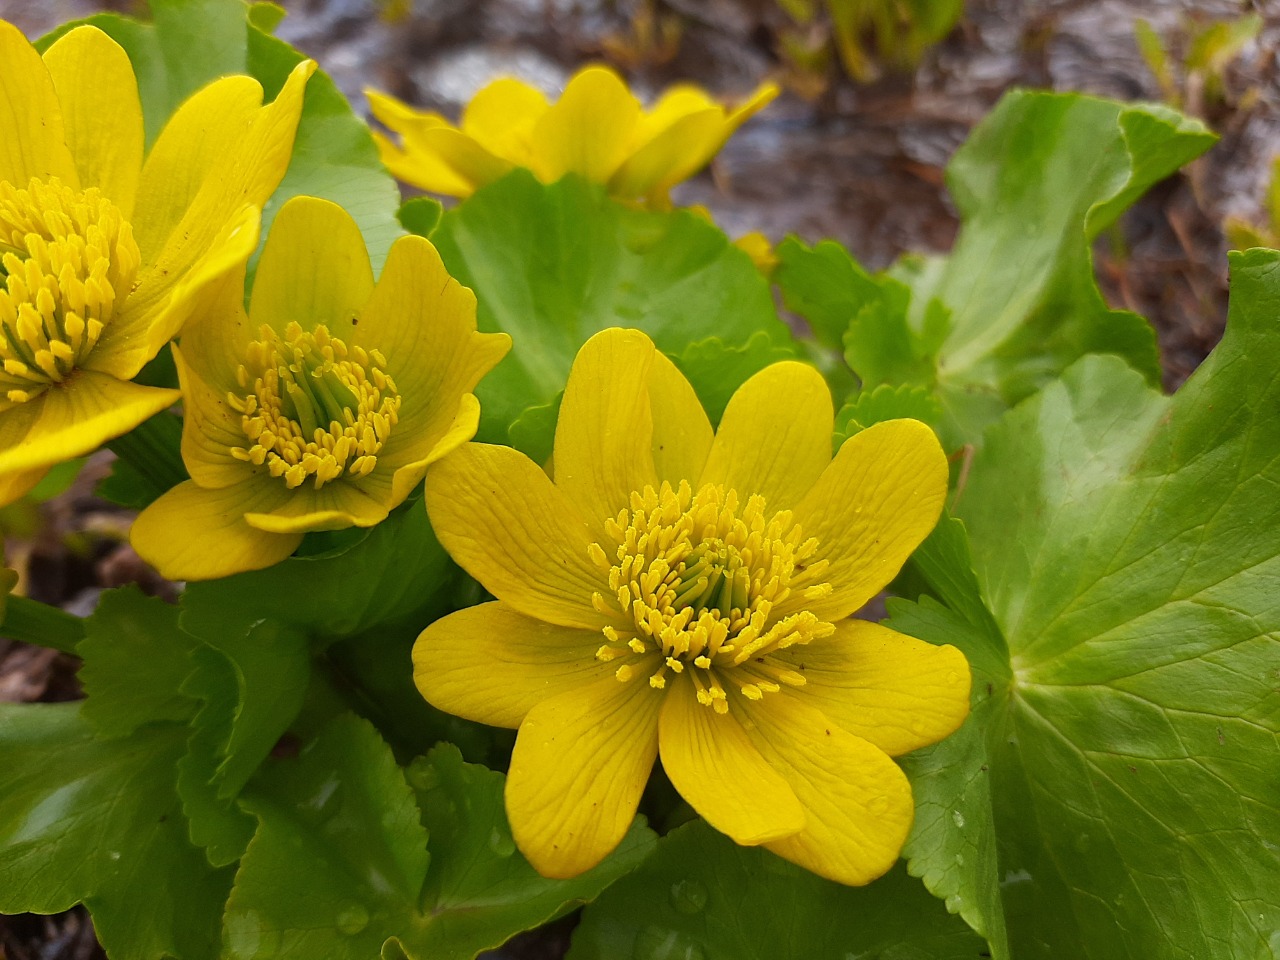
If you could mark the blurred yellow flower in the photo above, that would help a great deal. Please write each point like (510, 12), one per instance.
(597, 129)
(322, 407)
(687, 593)
(104, 254)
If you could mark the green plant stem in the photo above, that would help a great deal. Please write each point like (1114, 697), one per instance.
(152, 448)
(38, 623)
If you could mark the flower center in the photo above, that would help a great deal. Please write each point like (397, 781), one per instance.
(313, 406)
(694, 584)
(67, 259)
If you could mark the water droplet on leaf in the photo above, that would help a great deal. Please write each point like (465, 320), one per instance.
(250, 937)
(500, 842)
(957, 818)
(688, 896)
(654, 943)
(352, 919)
(422, 775)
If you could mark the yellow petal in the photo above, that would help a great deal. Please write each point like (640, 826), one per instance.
(588, 130)
(603, 445)
(459, 153)
(217, 335)
(15, 486)
(580, 763)
(422, 170)
(895, 691)
(160, 306)
(408, 160)
(246, 176)
(195, 534)
(32, 138)
(682, 433)
(857, 802)
(775, 436)
(501, 117)
(198, 138)
(717, 769)
(507, 525)
(335, 506)
(490, 664)
(76, 417)
(870, 509)
(424, 323)
(210, 429)
(101, 112)
(407, 475)
(673, 155)
(314, 269)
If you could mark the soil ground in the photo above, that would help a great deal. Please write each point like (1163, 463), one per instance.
(859, 163)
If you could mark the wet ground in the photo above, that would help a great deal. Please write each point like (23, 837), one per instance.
(863, 165)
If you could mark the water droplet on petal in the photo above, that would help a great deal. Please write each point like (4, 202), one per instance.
(500, 842)
(250, 937)
(688, 896)
(352, 919)
(957, 818)
(878, 805)
(655, 943)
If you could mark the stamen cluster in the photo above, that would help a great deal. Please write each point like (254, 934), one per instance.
(696, 583)
(313, 406)
(67, 260)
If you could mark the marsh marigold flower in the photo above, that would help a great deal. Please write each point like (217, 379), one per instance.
(686, 594)
(597, 129)
(104, 253)
(322, 407)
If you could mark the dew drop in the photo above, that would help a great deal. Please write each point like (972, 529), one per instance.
(654, 943)
(878, 805)
(249, 937)
(352, 919)
(957, 818)
(500, 842)
(959, 859)
(422, 775)
(688, 896)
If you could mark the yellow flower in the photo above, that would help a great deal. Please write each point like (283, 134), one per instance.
(686, 594)
(322, 407)
(103, 254)
(597, 129)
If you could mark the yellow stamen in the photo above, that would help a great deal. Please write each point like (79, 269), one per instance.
(67, 261)
(701, 577)
(315, 408)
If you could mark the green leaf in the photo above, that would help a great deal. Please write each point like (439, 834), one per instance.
(135, 661)
(703, 897)
(271, 666)
(192, 42)
(481, 890)
(420, 215)
(339, 857)
(339, 866)
(395, 573)
(1034, 184)
(97, 822)
(552, 265)
(1126, 545)
(217, 824)
(1016, 302)
(885, 403)
(952, 845)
